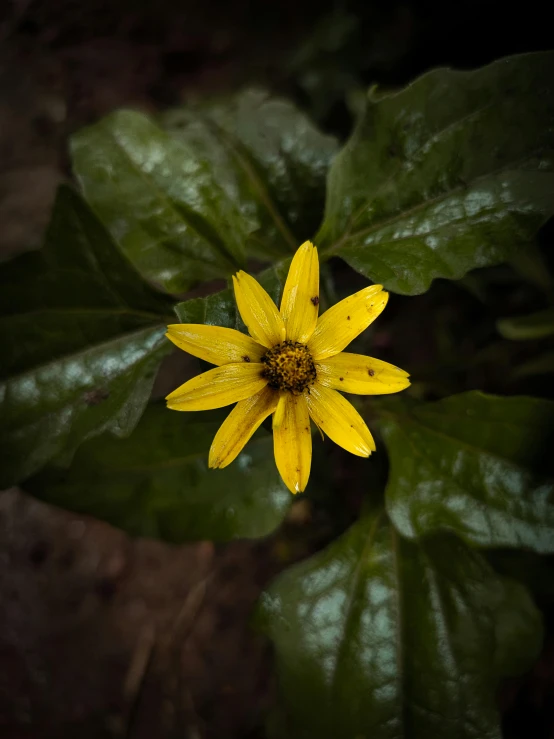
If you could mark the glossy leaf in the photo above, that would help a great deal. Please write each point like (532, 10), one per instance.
(380, 638)
(452, 173)
(160, 201)
(186, 203)
(157, 482)
(478, 465)
(534, 326)
(268, 157)
(82, 336)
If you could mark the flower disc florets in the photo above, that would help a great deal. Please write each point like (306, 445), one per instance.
(289, 366)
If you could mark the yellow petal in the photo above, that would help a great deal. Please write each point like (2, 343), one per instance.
(292, 441)
(355, 373)
(340, 325)
(239, 426)
(218, 387)
(215, 344)
(300, 301)
(339, 420)
(258, 311)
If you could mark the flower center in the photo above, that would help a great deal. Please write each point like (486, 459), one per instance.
(289, 366)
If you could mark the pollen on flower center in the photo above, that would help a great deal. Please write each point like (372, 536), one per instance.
(289, 366)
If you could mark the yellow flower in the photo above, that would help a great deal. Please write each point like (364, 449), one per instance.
(291, 365)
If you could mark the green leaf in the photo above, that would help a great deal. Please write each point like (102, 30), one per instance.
(379, 638)
(522, 328)
(82, 336)
(157, 482)
(268, 157)
(452, 173)
(478, 465)
(186, 203)
(160, 202)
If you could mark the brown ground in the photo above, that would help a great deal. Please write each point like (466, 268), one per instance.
(105, 636)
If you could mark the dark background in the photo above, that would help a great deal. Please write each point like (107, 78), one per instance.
(104, 636)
